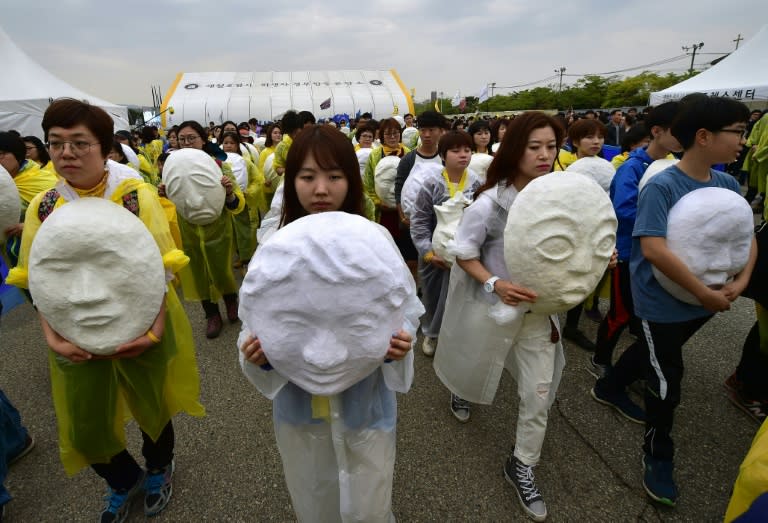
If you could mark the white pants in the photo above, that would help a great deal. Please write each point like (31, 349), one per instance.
(536, 364)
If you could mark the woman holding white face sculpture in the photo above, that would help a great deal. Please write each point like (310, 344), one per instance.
(455, 150)
(149, 379)
(210, 247)
(335, 426)
(246, 223)
(474, 349)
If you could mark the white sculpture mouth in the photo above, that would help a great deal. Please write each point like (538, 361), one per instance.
(94, 321)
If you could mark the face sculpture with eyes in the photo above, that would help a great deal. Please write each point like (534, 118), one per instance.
(324, 296)
(10, 204)
(96, 274)
(559, 238)
(711, 231)
(193, 184)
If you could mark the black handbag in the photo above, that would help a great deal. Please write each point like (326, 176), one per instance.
(757, 288)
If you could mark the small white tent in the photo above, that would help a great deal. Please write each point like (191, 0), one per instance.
(26, 90)
(743, 75)
(217, 97)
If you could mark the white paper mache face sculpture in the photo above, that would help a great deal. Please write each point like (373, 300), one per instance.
(96, 274)
(448, 217)
(324, 296)
(654, 169)
(362, 158)
(10, 203)
(559, 238)
(479, 163)
(384, 179)
(711, 231)
(193, 183)
(239, 169)
(597, 168)
(410, 137)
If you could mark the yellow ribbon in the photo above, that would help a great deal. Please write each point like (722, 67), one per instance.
(453, 188)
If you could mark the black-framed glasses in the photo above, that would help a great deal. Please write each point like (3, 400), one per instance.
(742, 132)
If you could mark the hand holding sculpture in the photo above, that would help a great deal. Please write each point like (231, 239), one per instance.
(559, 238)
(324, 296)
(96, 275)
(193, 183)
(711, 231)
(10, 203)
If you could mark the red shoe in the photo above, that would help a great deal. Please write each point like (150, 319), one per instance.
(214, 327)
(231, 311)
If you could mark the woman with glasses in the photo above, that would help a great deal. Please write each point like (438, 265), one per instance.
(210, 247)
(37, 152)
(149, 379)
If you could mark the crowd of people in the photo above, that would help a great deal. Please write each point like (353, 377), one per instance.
(395, 171)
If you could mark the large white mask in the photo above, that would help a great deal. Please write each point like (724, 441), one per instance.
(324, 296)
(384, 179)
(239, 169)
(559, 238)
(711, 231)
(654, 169)
(10, 203)
(362, 158)
(193, 183)
(596, 168)
(96, 274)
(480, 163)
(448, 216)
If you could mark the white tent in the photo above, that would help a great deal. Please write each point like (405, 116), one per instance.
(26, 90)
(217, 97)
(743, 75)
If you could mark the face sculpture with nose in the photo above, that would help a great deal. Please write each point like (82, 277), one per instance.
(711, 231)
(96, 274)
(324, 295)
(559, 238)
(10, 206)
(193, 184)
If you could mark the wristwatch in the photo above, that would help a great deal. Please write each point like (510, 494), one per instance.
(489, 283)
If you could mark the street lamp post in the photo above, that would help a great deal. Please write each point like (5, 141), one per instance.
(561, 72)
(693, 48)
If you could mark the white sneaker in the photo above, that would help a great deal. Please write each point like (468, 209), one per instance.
(428, 346)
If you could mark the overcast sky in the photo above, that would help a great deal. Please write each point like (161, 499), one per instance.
(117, 50)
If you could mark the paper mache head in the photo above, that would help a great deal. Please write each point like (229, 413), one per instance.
(193, 183)
(10, 203)
(362, 158)
(559, 238)
(597, 168)
(711, 231)
(239, 169)
(324, 296)
(96, 274)
(654, 169)
(384, 179)
(479, 163)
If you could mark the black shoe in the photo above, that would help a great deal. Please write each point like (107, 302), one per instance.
(579, 338)
(619, 401)
(460, 408)
(521, 477)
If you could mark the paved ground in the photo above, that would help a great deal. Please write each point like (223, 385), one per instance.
(228, 467)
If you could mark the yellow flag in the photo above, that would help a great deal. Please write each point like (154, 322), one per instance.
(437, 107)
(395, 110)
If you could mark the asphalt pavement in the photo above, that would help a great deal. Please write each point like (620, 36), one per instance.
(228, 467)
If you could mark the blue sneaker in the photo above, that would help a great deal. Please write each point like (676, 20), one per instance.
(158, 489)
(658, 481)
(619, 401)
(119, 503)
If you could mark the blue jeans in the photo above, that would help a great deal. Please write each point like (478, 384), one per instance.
(13, 436)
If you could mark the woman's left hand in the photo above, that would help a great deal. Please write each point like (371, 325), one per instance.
(399, 345)
(614, 260)
(227, 184)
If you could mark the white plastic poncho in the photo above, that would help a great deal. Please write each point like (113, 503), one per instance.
(271, 220)
(711, 231)
(239, 169)
(412, 184)
(599, 169)
(384, 179)
(338, 451)
(10, 203)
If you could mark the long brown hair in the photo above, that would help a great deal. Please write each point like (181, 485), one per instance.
(505, 164)
(331, 150)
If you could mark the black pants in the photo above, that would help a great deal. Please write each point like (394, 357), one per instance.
(658, 357)
(620, 314)
(122, 472)
(752, 370)
(212, 309)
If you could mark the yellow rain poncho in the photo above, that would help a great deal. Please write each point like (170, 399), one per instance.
(94, 399)
(753, 476)
(210, 247)
(31, 180)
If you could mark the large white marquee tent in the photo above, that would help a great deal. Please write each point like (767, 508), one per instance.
(743, 75)
(26, 90)
(217, 97)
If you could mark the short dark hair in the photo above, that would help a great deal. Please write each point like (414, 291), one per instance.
(662, 115)
(389, 123)
(228, 122)
(636, 134)
(307, 117)
(231, 134)
(585, 127)
(432, 119)
(365, 128)
(42, 152)
(476, 127)
(196, 127)
(451, 140)
(614, 111)
(11, 143)
(699, 111)
(290, 122)
(268, 140)
(331, 150)
(68, 112)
